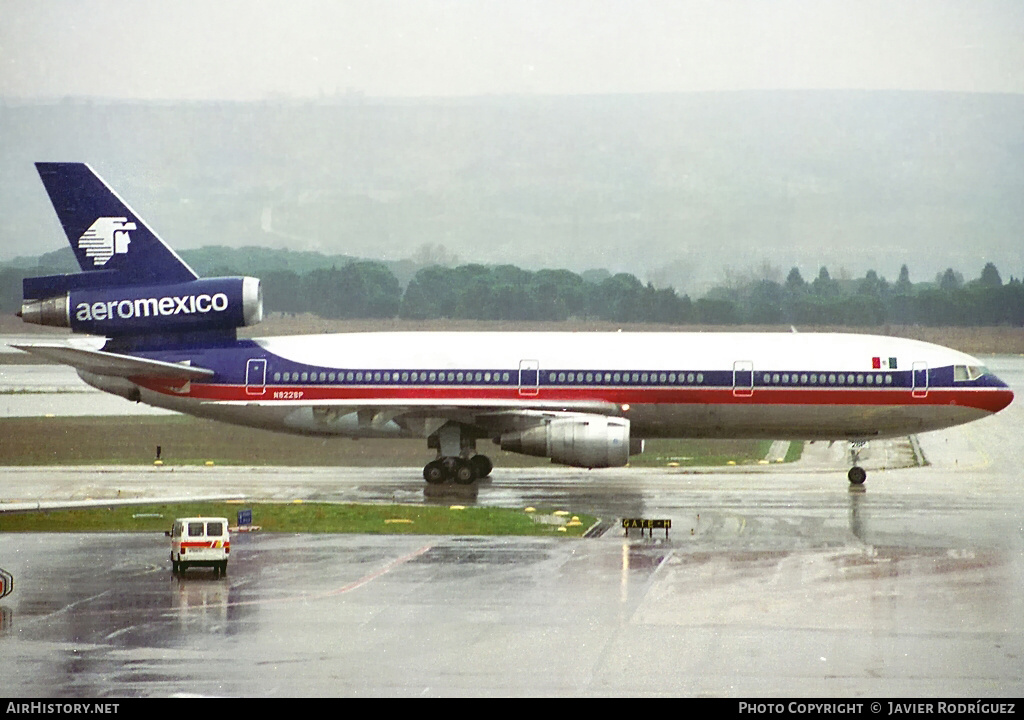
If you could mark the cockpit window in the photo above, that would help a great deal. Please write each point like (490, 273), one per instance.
(965, 373)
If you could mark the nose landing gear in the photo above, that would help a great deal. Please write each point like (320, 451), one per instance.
(857, 474)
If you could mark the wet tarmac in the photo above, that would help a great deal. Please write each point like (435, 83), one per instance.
(774, 581)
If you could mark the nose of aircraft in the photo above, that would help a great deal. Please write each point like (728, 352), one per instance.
(1001, 397)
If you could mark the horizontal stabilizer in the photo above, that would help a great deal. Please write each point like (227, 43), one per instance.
(99, 362)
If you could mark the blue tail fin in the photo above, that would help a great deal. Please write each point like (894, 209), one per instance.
(113, 245)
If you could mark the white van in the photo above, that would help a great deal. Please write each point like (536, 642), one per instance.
(200, 541)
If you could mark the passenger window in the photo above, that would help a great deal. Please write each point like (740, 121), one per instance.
(195, 529)
(215, 529)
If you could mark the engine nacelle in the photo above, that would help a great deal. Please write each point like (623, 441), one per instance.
(590, 441)
(204, 304)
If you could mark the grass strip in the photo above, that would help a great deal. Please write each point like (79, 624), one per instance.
(304, 518)
(184, 440)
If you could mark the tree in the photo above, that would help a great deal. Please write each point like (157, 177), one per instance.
(903, 285)
(795, 281)
(824, 285)
(950, 280)
(990, 277)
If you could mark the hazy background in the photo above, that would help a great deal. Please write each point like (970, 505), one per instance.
(681, 141)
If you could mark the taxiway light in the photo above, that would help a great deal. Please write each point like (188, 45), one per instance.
(457, 507)
(530, 509)
(158, 462)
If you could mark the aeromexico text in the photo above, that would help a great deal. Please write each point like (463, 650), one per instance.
(146, 307)
(202, 304)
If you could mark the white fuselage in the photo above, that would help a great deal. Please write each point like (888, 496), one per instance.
(725, 385)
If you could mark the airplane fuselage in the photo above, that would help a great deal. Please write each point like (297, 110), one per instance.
(715, 385)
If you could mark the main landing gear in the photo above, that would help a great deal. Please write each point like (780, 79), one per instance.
(462, 470)
(457, 458)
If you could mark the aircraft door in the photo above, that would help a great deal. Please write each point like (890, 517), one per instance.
(743, 378)
(529, 377)
(920, 373)
(256, 376)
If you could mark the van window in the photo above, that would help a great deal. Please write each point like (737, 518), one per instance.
(215, 529)
(195, 529)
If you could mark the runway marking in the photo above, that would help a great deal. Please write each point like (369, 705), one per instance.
(355, 585)
(383, 571)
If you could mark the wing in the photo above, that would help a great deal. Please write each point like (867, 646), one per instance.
(422, 417)
(99, 362)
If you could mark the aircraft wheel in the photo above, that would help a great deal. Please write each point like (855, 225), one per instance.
(857, 475)
(463, 473)
(482, 465)
(435, 472)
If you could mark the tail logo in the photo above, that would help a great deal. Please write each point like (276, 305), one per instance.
(106, 237)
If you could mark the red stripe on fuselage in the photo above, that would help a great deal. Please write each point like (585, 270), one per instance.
(980, 398)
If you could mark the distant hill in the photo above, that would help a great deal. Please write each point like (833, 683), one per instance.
(673, 188)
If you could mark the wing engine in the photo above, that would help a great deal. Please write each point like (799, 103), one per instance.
(590, 441)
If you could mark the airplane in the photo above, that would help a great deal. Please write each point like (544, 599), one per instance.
(584, 399)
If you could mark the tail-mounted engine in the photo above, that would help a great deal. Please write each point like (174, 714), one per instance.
(202, 304)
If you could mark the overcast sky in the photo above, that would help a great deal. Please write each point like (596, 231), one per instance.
(253, 49)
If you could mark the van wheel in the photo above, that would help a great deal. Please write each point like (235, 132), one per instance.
(224, 568)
